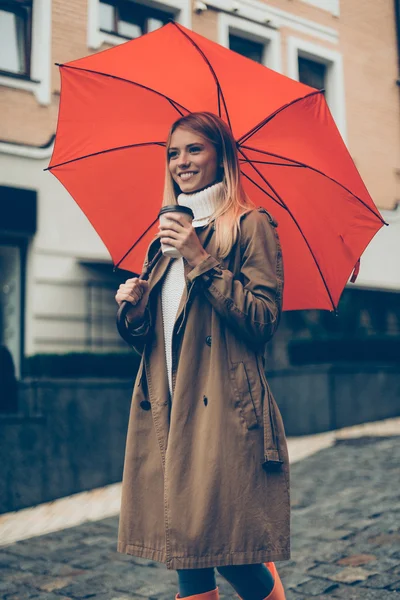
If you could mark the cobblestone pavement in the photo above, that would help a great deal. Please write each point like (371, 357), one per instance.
(99, 503)
(345, 540)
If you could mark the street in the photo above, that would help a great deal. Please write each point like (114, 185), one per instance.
(345, 539)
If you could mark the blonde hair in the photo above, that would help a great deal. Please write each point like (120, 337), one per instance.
(235, 202)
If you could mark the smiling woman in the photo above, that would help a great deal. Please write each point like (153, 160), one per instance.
(200, 397)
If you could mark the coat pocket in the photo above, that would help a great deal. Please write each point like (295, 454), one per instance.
(244, 398)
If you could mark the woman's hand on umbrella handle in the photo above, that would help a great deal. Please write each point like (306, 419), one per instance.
(136, 292)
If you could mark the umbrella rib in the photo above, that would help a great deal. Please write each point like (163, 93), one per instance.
(67, 162)
(276, 199)
(137, 241)
(145, 87)
(219, 89)
(284, 205)
(266, 162)
(175, 107)
(261, 124)
(263, 190)
(306, 166)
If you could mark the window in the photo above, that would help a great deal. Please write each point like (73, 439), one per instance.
(78, 315)
(10, 301)
(312, 73)
(258, 42)
(265, 20)
(129, 19)
(15, 37)
(101, 309)
(319, 67)
(25, 46)
(18, 208)
(253, 50)
(115, 21)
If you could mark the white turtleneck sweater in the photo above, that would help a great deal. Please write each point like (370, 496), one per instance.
(203, 204)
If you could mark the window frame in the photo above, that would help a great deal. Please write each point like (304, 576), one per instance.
(255, 32)
(116, 5)
(38, 80)
(258, 11)
(335, 91)
(20, 8)
(96, 37)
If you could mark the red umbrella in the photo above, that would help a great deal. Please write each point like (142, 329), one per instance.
(117, 106)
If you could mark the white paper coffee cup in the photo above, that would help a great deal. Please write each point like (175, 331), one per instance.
(186, 212)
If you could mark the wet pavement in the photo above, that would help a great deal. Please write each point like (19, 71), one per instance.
(345, 539)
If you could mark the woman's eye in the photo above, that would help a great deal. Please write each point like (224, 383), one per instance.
(195, 149)
(172, 155)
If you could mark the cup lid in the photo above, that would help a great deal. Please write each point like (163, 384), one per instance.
(176, 208)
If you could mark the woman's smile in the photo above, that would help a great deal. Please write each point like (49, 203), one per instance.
(187, 175)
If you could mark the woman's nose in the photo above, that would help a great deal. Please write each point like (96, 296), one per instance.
(183, 160)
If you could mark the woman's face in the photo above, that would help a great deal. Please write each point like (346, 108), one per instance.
(192, 161)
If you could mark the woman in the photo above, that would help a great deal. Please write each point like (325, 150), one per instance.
(206, 471)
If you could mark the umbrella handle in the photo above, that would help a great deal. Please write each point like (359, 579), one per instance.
(125, 305)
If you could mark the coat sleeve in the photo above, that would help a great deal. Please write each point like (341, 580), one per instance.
(138, 336)
(252, 303)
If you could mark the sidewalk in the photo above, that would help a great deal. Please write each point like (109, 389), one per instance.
(345, 531)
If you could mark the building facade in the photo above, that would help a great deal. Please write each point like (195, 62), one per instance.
(57, 286)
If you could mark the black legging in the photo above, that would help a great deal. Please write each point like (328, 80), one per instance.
(251, 582)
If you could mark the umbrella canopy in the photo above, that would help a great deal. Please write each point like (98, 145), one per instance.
(116, 109)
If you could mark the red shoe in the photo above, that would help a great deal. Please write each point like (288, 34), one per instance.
(277, 592)
(212, 595)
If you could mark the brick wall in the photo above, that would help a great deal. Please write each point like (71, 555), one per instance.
(367, 40)
(368, 43)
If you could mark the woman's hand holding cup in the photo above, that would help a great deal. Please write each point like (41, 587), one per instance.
(179, 236)
(136, 291)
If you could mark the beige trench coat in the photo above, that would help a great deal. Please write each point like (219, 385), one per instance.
(206, 477)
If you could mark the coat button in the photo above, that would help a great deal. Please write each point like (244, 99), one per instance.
(145, 404)
(208, 340)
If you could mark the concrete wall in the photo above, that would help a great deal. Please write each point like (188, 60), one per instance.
(69, 435)
(324, 398)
